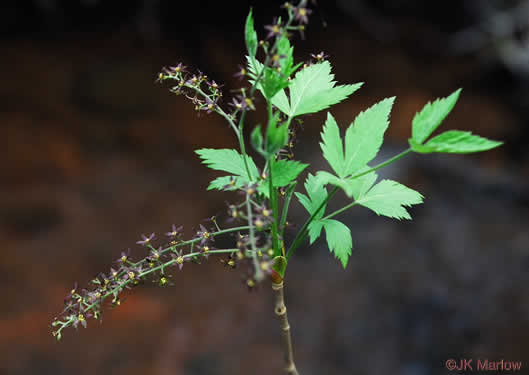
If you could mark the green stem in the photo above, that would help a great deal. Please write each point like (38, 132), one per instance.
(286, 204)
(275, 209)
(302, 233)
(243, 152)
(218, 110)
(339, 211)
(273, 191)
(190, 242)
(382, 165)
(258, 271)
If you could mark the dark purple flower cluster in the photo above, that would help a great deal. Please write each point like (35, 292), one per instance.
(81, 304)
(278, 29)
(298, 16)
(244, 258)
(202, 92)
(261, 220)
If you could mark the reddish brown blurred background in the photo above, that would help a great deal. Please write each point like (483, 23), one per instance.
(95, 153)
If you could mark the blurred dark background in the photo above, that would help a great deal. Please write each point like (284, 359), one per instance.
(95, 153)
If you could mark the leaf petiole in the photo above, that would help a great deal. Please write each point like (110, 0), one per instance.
(302, 234)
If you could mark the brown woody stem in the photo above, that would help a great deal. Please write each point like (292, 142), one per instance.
(281, 312)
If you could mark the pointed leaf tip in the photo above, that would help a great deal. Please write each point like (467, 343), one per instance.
(431, 116)
(455, 142)
(250, 36)
(339, 239)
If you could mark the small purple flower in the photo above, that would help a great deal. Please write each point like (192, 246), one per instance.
(205, 250)
(241, 73)
(105, 281)
(193, 81)
(133, 274)
(211, 105)
(302, 14)
(274, 29)
(145, 240)
(155, 255)
(179, 258)
(161, 76)
(233, 212)
(204, 235)
(214, 86)
(81, 318)
(94, 296)
(124, 257)
(238, 103)
(231, 185)
(180, 68)
(230, 262)
(263, 217)
(71, 294)
(175, 231)
(242, 242)
(114, 274)
(241, 102)
(276, 60)
(249, 189)
(319, 57)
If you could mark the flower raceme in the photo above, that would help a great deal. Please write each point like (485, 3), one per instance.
(81, 304)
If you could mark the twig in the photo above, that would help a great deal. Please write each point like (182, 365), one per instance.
(281, 312)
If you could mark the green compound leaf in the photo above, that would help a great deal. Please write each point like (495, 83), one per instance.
(352, 187)
(254, 67)
(313, 90)
(286, 63)
(431, 116)
(315, 230)
(280, 99)
(273, 80)
(328, 178)
(250, 36)
(339, 239)
(283, 173)
(389, 198)
(256, 138)
(363, 139)
(361, 185)
(234, 182)
(276, 136)
(230, 161)
(456, 142)
(317, 194)
(286, 171)
(331, 145)
(263, 188)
